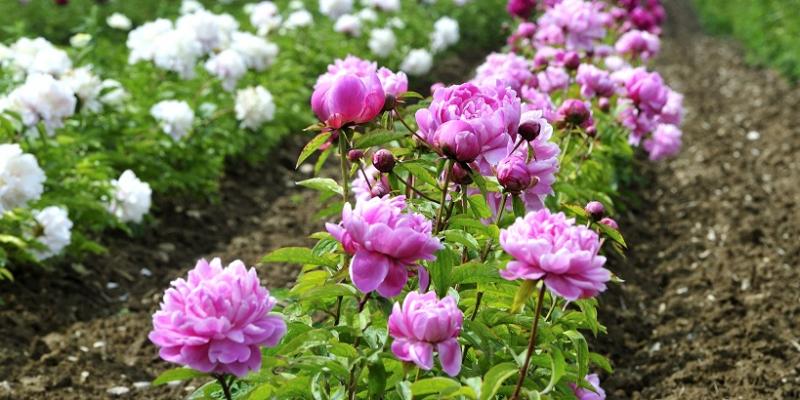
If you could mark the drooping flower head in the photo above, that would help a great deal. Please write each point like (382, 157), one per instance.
(424, 324)
(350, 92)
(586, 394)
(493, 111)
(552, 248)
(385, 243)
(217, 320)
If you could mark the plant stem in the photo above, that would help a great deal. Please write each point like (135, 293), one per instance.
(410, 186)
(489, 243)
(343, 155)
(478, 298)
(351, 385)
(448, 166)
(531, 344)
(226, 389)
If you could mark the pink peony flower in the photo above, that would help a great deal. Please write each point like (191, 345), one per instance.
(365, 181)
(672, 113)
(638, 121)
(665, 142)
(350, 92)
(551, 247)
(553, 78)
(595, 82)
(647, 90)
(217, 320)
(583, 23)
(385, 243)
(393, 84)
(575, 113)
(610, 223)
(457, 140)
(521, 8)
(586, 394)
(595, 209)
(422, 323)
(513, 174)
(534, 100)
(640, 44)
(513, 70)
(492, 110)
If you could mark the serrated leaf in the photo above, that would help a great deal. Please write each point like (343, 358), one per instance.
(312, 146)
(323, 185)
(298, 255)
(177, 374)
(494, 379)
(376, 138)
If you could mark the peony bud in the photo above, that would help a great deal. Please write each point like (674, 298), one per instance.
(574, 112)
(530, 130)
(383, 160)
(348, 99)
(354, 155)
(460, 175)
(595, 209)
(457, 140)
(610, 223)
(604, 103)
(513, 174)
(572, 60)
(591, 131)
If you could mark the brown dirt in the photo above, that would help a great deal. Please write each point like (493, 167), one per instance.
(67, 335)
(711, 307)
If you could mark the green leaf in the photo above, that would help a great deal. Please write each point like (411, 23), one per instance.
(262, 392)
(438, 385)
(602, 362)
(13, 240)
(411, 95)
(476, 272)
(312, 146)
(613, 234)
(177, 374)
(329, 291)
(323, 185)
(376, 138)
(519, 206)
(479, 206)
(404, 390)
(376, 383)
(441, 268)
(523, 294)
(298, 255)
(494, 379)
(463, 238)
(418, 171)
(558, 367)
(581, 352)
(576, 210)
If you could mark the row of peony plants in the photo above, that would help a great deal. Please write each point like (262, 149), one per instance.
(89, 133)
(469, 231)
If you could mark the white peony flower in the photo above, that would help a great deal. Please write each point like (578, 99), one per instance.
(142, 41)
(461, 3)
(112, 93)
(264, 16)
(445, 34)
(382, 42)
(258, 54)
(296, 5)
(213, 31)
(229, 66)
(417, 62)
(42, 98)
(178, 51)
(86, 86)
(348, 24)
(56, 231)
(368, 15)
(254, 107)
(175, 117)
(80, 40)
(298, 19)
(191, 7)
(384, 5)
(132, 198)
(119, 21)
(39, 56)
(396, 22)
(21, 178)
(335, 8)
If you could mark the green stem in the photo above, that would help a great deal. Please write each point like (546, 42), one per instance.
(343, 154)
(448, 167)
(226, 389)
(489, 243)
(531, 344)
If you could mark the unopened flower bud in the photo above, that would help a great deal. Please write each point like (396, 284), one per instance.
(389, 103)
(574, 112)
(610, 223)
(383, 160)
(354, 155)
(591, 131)
(460, 175)
(530, 130)
(457, 140)
(513, 174)
(604, 103)
(572, 60)
(595, 209)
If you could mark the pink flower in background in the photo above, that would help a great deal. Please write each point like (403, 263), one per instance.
(534, 100)
(350, 92)
(522, 36)
(521, 8)
(586, 394)
(424, 324)
(575, 113)
(639, 122)
(385, 243)
(393, 84)
(549, 35)
(217, 320)
(595, 82)
(647, 90)
(640, 44)
(365, 181)
(672, 113)
(583, 23)
(553, 79)
(513, 70)
(665, 142)
(492, 110)
(552, 248)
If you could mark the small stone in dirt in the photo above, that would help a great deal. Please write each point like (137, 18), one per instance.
(84, 376)
(118, 391)
(112, 285)
(141, 385)
(655, 347)
(682, 290)
(145, 272)
(72, 359)
(661, 308)
(84, 349)
(306, 169)
(753, 135)
(98, 344)
(704, 254)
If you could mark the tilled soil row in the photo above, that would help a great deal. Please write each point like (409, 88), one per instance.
(711, 306)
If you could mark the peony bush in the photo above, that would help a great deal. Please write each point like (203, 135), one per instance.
(469, 233)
